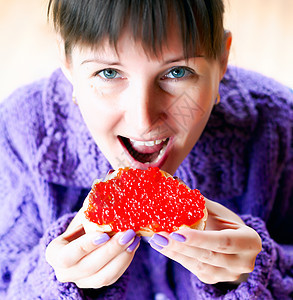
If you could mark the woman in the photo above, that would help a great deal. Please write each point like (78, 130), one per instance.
(147, 78)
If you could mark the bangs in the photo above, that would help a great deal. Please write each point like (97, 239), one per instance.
(90, 22)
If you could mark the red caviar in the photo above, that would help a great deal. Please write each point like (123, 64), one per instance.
(144, 198)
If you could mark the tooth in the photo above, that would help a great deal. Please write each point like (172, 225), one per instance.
(147, 143)
(150, 143)
(138, 143)
(161, 153)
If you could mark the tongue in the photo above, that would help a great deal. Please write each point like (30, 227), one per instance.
(146, 149)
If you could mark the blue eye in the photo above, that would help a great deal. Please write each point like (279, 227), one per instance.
(178, 72)
(108, 74)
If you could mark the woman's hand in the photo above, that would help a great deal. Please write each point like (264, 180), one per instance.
(224, 252)
(90, 260)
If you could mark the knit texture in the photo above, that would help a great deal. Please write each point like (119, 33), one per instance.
(48, 161)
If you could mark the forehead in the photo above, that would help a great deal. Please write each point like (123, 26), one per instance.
(128, 43)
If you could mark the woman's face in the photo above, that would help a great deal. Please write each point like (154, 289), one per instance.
(144, 110)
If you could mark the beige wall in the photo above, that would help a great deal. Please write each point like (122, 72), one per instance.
(262, 32)
(28, 50)
(262, 36)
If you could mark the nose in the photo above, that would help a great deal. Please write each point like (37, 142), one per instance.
(143, 108)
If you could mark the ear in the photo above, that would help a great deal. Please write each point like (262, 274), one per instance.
(64, 59)
(227, 41)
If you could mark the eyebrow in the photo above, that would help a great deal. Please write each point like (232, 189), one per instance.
(99, 61)
(181, 58)
(167, 62)
(117, 63)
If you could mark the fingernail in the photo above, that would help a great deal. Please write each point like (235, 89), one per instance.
(134, 244)
(127, 237)
(101, 239)
(159, 239)
(155, 246)
(177, 237)
(179, 179)
(109, 173)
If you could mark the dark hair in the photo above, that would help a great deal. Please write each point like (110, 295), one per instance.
(89, 22)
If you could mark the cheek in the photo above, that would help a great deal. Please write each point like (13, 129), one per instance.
(98, 110)
(191, 110)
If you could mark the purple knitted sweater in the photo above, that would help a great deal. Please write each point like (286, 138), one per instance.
(48, 160)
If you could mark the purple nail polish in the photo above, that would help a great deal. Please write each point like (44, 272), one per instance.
(177, 237)
(159, 239)
(101, 239)
(134, 244)
(155, 246)
(126, 237)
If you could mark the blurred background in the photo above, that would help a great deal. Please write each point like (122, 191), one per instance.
(262, 40)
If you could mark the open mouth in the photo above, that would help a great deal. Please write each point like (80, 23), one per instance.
(145, 153)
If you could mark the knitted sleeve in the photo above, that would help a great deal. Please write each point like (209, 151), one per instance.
(272, 277)
(33, 278)
(26, 222)
(30, 218)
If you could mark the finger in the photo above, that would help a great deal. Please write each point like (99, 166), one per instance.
(206, 256)
(179, 179)
(71, 253)
(75, 223)
(55, 246)
(217, 209)
(109, 274)
(229, 241)
(206, 272)
(72, 233)
(239, 263)
(211, 275)
(100, 257)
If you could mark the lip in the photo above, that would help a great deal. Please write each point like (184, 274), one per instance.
(143, 166)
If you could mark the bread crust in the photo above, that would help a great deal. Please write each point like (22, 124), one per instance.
(92, 227)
